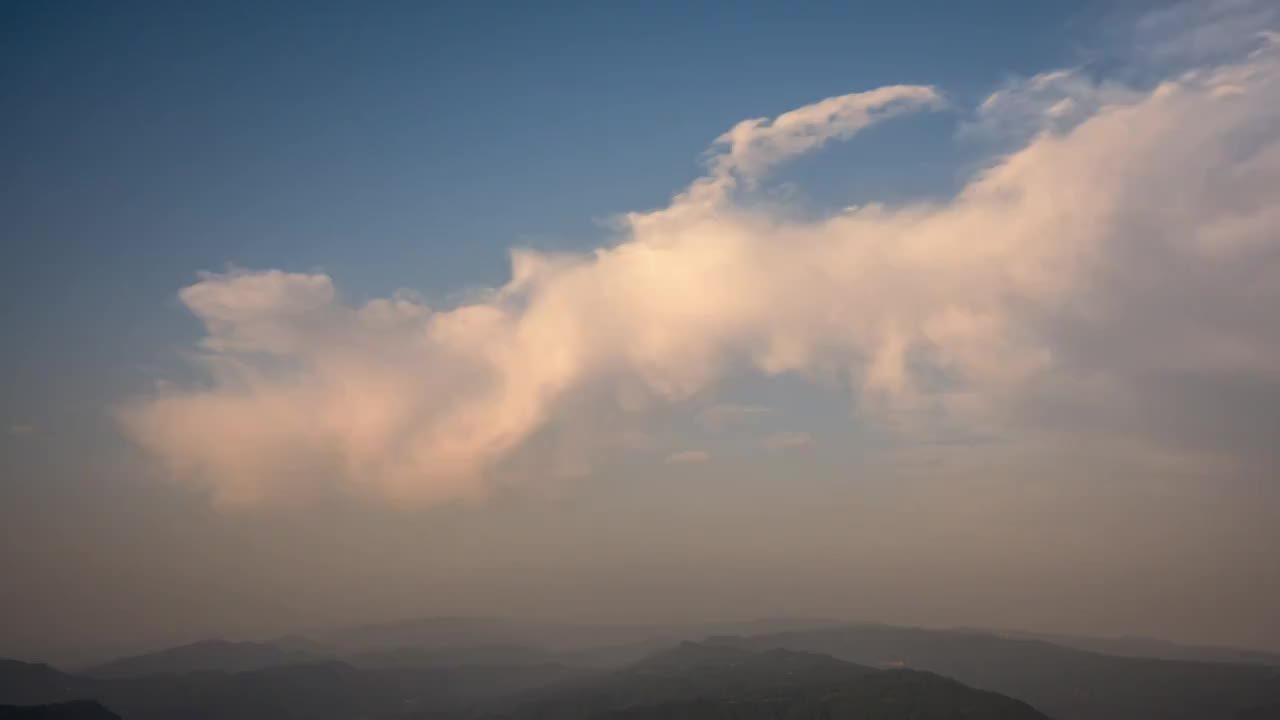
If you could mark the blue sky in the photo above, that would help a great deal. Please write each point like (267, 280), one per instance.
(408, 145)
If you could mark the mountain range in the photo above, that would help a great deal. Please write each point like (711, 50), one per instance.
(472, 669)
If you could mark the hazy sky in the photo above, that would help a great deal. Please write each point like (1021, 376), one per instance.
(909, 312)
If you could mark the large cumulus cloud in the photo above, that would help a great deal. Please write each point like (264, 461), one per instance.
(1115, 274)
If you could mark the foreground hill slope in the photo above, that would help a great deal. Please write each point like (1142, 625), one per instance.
(75, 710)
(24, 683)
(318, 691)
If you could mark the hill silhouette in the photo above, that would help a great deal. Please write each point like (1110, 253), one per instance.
(468, 668)
(699, 680)
(204, 655)
(74, 710)
(1068, 684)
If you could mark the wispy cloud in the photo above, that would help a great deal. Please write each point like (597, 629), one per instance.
(724, 415)
(1054, 101)
(1196, 31)
(1089, 281)
(788, 441)
(753, 147)
(21, 429)
(688, 457)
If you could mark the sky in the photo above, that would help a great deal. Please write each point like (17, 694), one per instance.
(320, 313)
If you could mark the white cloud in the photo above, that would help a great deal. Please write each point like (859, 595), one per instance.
(753, 147)
(1112, 275)
(688, 457)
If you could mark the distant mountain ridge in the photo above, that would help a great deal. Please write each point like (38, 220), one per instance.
(453, 667)
(434, 640)
(687, 678)
(206, 655)
(1067, 683)
(699, 681)
(1144, 647)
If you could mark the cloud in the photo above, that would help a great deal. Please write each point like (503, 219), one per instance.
(688, 457)
(722, 416)
(744, 154)
(1111, 277)
(753, 147)
(788, 441)
(21, 429)
(1195, 31)
(1055, 101)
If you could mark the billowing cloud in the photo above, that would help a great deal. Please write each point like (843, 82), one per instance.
(1113, 276)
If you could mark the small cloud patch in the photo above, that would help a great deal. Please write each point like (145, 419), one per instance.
(688, 457)
(718, 418)
(788, 441)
